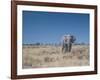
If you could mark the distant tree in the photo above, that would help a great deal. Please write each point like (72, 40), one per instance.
(82, 43)
(41, 44)
(37, 44)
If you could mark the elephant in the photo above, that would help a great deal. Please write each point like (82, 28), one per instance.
(67, 43)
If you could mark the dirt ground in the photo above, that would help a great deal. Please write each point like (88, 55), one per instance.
(52, 56)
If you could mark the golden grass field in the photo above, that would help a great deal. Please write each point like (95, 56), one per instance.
(52, 56)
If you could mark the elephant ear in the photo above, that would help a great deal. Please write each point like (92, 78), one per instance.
(73, 39)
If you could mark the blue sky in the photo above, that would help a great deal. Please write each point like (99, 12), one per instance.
(49, 27)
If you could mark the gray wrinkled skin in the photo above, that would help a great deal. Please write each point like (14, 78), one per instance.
(67, 43)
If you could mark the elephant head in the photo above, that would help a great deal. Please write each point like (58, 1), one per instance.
(67, 42)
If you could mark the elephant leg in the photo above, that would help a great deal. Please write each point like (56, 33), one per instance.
(63, 48)
(69, 47)
(66, 48)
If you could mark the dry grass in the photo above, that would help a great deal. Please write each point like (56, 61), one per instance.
(51, 56)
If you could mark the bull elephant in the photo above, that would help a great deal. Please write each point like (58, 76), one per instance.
(67, 43)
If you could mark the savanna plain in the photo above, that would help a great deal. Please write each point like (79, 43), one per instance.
(44, 56)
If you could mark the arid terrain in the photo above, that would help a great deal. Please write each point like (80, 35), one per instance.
(51, 56)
